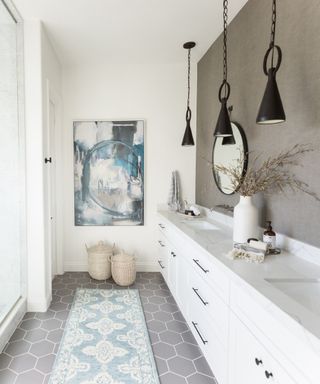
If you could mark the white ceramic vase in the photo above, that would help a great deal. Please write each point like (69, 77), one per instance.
(245, 220)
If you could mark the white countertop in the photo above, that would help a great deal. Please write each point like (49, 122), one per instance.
(286, 265)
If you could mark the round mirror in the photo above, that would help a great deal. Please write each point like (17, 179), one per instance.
(228, 151)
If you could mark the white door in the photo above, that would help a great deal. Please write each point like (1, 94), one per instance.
(50, 191)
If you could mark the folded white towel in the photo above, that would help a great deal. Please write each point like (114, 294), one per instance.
(247, 253)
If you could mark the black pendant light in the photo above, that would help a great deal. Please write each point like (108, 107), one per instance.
(187, 137)
(271, 109)
(223, 127)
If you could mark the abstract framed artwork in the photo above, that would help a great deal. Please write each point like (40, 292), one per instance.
(108, 172)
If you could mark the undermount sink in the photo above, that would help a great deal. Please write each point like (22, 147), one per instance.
(303, 290)
(201, 225)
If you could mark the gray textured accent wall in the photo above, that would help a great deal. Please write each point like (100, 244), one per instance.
(298, 30)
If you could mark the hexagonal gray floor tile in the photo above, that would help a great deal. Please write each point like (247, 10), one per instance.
(30, 324)
(163, 350)
(7, 377)
(45, 363)
(42, 348)
(23, 363)
(35, 335)
(17, 347)
(4, 361)
(189, 351)
(181, 366)
(31, 377)
(171, 378)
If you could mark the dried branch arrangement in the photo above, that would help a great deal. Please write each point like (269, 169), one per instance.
(272, 175)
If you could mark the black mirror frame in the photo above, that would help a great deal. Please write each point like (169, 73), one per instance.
(246, 157)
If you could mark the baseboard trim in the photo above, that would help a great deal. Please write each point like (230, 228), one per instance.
(41, 305)
(141, 267)
(11, 322)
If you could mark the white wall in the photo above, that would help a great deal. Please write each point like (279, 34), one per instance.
(40, 64)
(156, 93)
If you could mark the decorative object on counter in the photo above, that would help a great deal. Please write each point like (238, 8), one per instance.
(223, 126)
(109, 172)
(99, 266)
(271, 109)
(245, 220)
(187, 137)
(269, 176)
(123, 269)
(269, 237)
(229, 155)
(190, 210)
(174, 202)
(247, 252)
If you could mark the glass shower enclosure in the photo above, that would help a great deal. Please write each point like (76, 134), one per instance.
(12, 163)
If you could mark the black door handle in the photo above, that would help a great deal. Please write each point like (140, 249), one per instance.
(268, 374)
(48, 160)
(258, 361)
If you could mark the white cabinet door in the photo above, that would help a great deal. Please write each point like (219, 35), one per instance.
(250, 362)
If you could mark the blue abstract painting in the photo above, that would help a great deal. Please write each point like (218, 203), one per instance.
(109, 172)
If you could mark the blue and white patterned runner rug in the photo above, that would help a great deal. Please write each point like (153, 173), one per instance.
(106, 341)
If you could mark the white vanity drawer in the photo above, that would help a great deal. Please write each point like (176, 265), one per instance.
(204, 296)
(208, 270)
(207, 337)
(250, 362)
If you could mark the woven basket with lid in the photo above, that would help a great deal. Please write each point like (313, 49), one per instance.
(99, 266)
(123, 269)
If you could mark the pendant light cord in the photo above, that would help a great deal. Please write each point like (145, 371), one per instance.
(188, 98)
(273, 29)
(225, 86)
(225, 52)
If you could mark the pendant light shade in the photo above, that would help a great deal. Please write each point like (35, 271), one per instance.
(187, 137)
(271, 109)
(223, 126)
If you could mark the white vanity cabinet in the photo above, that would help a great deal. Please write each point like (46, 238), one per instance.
(240, 338)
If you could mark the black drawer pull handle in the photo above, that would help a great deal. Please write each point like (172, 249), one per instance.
(200, 266)
(195, 290)
(161, 226)
(198, 332)
(160, 263)
(161, 243)
(258, 361)
(173, 254)
(268, 374)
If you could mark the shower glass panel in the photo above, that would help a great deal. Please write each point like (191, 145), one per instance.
(11, 177)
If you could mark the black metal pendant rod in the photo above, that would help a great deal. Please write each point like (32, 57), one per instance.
(223, 126)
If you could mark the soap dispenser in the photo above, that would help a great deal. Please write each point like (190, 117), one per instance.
(269, 237)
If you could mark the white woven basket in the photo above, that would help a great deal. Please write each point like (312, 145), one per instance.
(123, 268)
(99, 266)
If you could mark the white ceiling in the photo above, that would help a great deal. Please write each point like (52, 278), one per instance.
(134, 31)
